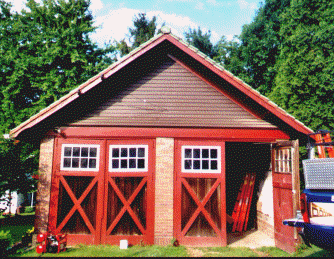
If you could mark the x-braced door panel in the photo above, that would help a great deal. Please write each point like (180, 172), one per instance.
(199, 193)
(77, 189)
(129, 203)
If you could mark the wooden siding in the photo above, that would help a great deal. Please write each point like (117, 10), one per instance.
(171, 96)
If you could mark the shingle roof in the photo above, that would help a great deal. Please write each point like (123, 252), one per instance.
(143, 48)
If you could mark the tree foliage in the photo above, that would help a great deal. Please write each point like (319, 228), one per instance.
(304, 84)
(143, 30)
(17, 164)
(45, 52)
(201, 41)
(260, 41)
(228, 53)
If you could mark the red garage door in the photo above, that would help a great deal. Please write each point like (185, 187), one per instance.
(200, 193)
(102, 191)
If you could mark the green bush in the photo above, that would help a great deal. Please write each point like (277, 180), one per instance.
(29, 209)
(5, 241)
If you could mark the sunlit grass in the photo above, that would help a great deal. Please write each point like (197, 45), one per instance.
(115, 251)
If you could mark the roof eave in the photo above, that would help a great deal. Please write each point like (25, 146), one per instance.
(184, 46)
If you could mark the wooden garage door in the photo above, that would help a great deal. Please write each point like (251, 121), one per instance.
(129, 192)
(102, 191)
(199, 211)
(285, 161)
(77, 190)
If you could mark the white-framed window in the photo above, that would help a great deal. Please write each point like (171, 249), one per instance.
(80, 157)
(128, 158)
(201, 159)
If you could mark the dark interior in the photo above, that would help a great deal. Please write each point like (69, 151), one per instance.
(242, 158)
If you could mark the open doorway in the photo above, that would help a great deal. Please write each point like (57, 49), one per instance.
(243, 158)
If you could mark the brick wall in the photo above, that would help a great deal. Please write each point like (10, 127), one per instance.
(164, 182)
(44, 184)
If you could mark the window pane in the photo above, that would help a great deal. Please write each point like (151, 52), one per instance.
(141, 163)
(76, 151)
(124, 152)
(115, 163)
(197, 164)
(133, 152)
(124, 163)
(187, 153)
(187, 164)
(92, 163)
(84, 162)
(84, 152)
(141, 152)
(214, 165)
(205, 153)
(205, 164)
(115, 152)
(132, 163)
(68, 151)
(75, 163)
(93, 152)
(213, 153)
(197, 153)
(67, 162)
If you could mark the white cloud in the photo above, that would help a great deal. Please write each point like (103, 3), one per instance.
(115, 25)
(18, 5)
(229, 37)
(95, 5)
(243, 4)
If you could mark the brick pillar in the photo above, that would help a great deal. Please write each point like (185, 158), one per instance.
(164, 183)
(44, 184)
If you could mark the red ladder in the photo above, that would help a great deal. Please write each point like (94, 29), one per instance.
(242, 207)
(324, 137)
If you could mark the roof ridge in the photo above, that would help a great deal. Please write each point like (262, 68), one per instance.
(94, 80)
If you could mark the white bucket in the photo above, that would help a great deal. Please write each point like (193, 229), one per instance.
(123, 244)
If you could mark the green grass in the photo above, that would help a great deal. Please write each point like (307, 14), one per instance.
(169, 251)
(228, 252)
(302, 251)
(115, 251)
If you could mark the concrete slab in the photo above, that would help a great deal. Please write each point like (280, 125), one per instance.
(251, 239)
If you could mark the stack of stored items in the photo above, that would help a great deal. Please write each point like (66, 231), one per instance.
(241, 210)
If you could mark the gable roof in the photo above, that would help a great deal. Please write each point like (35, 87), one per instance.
(144, 48)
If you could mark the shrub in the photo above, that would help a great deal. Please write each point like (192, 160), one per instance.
(29, 209)
(5, 241)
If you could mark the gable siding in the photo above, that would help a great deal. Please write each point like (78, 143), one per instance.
(171, 96)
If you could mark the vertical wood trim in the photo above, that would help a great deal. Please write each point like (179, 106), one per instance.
(295, 181)
(223, 195)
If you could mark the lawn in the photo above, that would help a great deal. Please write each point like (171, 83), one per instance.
(18, 230)
(170, 251)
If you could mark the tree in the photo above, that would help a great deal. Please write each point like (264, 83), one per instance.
(142, 31)
(228, 53)
(45, 52)
(260, 41)
(304, 84)
(48, 52)
(201, 41)
(17, 164)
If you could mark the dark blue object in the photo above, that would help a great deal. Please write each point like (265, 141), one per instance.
(317, 234)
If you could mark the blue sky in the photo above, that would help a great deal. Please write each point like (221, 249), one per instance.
(222, 17)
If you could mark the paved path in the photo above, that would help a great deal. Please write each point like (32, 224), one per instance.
(252, 239)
